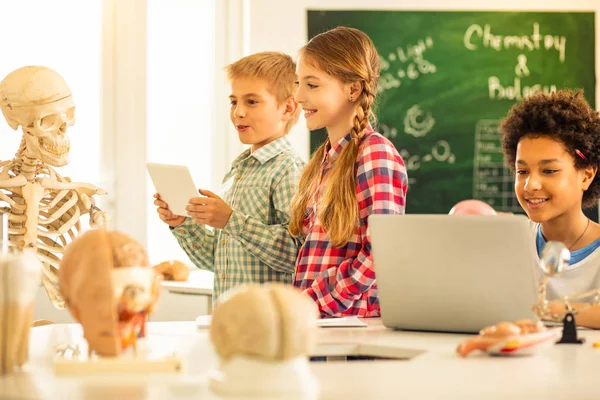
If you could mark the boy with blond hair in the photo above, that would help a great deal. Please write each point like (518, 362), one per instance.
(250, 241)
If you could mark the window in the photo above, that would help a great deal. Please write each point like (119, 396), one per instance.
(180, 122)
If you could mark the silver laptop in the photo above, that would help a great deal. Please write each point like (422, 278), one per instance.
(453, 273)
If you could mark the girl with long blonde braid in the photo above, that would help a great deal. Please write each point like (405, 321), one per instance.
(355, 173)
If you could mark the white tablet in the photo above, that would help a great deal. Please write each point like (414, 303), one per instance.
(174, 184)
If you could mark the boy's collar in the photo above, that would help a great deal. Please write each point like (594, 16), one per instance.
(266, 152)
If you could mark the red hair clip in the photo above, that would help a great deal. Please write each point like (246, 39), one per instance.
(580, 154)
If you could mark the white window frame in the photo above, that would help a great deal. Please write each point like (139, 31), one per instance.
(123, 157)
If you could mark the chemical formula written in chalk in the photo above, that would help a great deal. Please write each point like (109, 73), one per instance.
(440, 152)
(406, 62)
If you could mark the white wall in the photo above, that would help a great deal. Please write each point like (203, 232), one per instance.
(179, 97)
(281, 25)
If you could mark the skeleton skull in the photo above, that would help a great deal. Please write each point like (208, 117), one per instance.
(39, 100)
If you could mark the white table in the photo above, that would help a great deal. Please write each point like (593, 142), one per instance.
(433, 370)
(199, 283)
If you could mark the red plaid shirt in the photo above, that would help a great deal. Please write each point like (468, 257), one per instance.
(341, 280)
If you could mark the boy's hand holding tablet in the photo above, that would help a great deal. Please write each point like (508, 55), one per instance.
(177, 198)
(210, 210)
(165, 214)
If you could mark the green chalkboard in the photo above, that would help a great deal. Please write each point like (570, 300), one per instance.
(447, 80)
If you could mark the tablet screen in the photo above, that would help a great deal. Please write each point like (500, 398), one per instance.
(174, 184)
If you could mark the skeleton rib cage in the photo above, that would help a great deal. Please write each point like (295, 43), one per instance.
(58, 224)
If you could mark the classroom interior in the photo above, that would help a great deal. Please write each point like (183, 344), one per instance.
(149, 84)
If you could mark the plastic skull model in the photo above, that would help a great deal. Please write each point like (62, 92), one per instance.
(39, 100)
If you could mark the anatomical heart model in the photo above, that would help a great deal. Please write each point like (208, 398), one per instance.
(44, 207)
(19, 279)
(109, 288)
(263, 335)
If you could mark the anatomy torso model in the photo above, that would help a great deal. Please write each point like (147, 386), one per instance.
(109, 288)
(44, 208)
(523, 337)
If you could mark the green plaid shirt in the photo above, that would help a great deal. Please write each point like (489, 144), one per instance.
(255, 245)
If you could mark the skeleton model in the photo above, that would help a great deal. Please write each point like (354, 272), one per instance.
(44, 208)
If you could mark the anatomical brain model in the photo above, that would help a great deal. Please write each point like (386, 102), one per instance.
(269, 323)
(263, 335)
(44, 208)
(109, 288)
